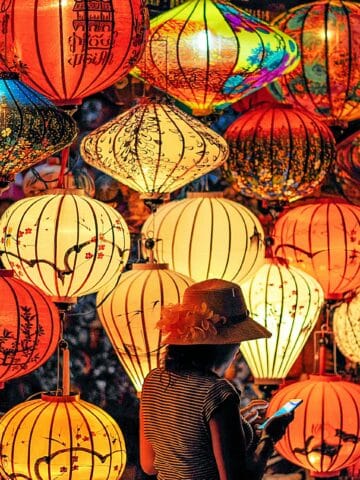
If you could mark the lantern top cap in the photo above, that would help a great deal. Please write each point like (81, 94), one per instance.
(48, 397)
(150, 266)
(218, 304)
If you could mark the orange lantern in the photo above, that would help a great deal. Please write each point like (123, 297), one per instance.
(346, 325)
(347, 167)
(61, 437)
(324, 436)
(29, 327)
(326, 81)
(278, 152)
(74, 48)
(209, 54)
(322, 237)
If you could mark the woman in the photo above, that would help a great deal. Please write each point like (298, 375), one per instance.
(191, 427)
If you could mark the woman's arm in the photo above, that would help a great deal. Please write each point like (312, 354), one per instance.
(147, 454)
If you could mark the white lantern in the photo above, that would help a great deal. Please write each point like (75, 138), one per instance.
(346, 324)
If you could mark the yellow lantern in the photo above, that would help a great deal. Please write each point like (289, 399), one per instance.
(287, 301)
(207, 236)
(60, 437)
(130, 311)
(346, 325)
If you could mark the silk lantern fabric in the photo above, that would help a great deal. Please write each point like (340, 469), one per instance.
(347, 167)
(346, 325)
(209, 54)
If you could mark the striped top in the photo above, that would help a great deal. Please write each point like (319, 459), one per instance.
(176, 410)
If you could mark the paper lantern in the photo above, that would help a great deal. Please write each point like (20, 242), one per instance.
(346, 325)
(61, 437)
(31, 127)
(278, 152)
(130, 311)
(75, 48)
(287, 301)
(322, 237)
(69, 245)
(324, 435)
(206, 236)
(154, 148)
(29, 327)
(326, 81)
(209, 54)
(347, 167)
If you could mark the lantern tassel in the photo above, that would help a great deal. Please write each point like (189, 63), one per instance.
(65, 369)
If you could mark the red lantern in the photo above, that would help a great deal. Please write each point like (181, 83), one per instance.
(347, 167)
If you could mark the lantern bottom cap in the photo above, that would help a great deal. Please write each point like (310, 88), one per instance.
(333, 474)
(268, 381)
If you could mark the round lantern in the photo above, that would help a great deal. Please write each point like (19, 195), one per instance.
(346, 325)
(347, 167)
(326, 81)
(31, 127)
(29, 327)
(209, 54)
(278, 152)
(61, 437)
(322, 237)
(287, 301)
(324, 435)
(75, 48)
(69, 245)
(154, 148)
(130, 311)
(207, 236)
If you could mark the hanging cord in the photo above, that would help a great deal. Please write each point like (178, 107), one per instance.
(64, 164)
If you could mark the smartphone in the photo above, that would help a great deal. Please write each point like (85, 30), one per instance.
(286, 408)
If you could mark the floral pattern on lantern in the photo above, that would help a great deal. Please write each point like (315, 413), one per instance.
(346, 325)
(326, 81)
(61, 437)
(278, 152)
(324, 436)
(130, 310)
(347, 167)
(69, 245)
(209, 54)
(154, 148)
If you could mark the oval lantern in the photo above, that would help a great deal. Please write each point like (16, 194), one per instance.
(75, 48)
(326, 81)
(206, 236)
(346, 325)
(322, 237)
(347, 167)
(154, 148)
(278, 153)
(287, 301)
(61, 437)
(130, 311)
(209, 54)
(68, 245)
(29, 327)
(324, 435)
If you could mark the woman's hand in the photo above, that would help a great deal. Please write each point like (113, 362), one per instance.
(254, 412)
(277, 426)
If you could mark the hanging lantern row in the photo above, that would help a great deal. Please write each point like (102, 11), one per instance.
(208, 54)
(346, 324)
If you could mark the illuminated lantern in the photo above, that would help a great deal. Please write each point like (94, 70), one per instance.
(130, 311)
(326, 81)
(61, 437)
(324, 436)
(31, 127)
(69, 245)
(322, 237)
(29, 327)
(347, 167)
(287, 301)
(209, 54)
(278, 152)
(154, 148)
(346, 325)
(206, 236)
(75, 48)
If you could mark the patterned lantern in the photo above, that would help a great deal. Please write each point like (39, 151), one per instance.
(324, 436)
(278, 152)
(322, 237)
(31, 127)
(346, 325)
(29, 327)
(209, 54)
(347, 167)
(207, 236)
(130, 311)
(154, 148)
(326, 81)
(69, 245)
(74, 48)
(287, 301)
(61, 437)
